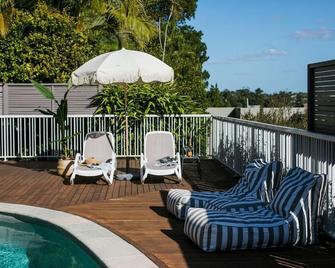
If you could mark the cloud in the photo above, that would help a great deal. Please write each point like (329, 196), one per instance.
(266, 54)
(273, 52)
(319, 34)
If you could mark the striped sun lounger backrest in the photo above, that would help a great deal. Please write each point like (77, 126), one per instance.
(260, 179)
(264, 178)
(296, 183)
(271, 177)
(299, 200)
(251, 170)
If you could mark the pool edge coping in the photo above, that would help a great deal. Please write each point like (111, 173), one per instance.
(108, 247)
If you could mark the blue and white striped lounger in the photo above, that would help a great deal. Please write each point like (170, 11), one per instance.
(260, 180)
(290, 219)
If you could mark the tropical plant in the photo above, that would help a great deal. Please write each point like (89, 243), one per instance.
(60, 116)
(132, 23)
(142, 100)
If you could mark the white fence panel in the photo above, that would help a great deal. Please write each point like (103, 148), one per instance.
(34, 136)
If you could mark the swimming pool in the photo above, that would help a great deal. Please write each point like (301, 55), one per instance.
(30, 243)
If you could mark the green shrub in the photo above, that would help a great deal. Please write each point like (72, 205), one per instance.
(143, 99)
(42, 45)
(281, 117)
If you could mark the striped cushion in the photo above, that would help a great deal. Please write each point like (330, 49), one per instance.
(302, 217)
(180, 200)
(258, 180)
(216, 231)
(290, 191)
(272, 174)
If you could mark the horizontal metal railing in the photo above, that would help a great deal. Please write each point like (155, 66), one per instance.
(36, 135)
(236, 142)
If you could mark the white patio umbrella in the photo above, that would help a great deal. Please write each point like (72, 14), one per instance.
(122, 67)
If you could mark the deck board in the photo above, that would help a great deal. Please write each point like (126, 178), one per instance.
(137, 213)
(36, 183)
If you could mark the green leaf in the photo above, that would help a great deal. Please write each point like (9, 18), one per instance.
(46, 92)
(46, 112)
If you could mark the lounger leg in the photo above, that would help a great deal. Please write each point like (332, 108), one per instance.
(111, 176)
(178, 173)
(141, 172)
(143, 178)
(107, 178)
(73, 176)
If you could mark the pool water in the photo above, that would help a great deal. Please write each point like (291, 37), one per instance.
(25, 243)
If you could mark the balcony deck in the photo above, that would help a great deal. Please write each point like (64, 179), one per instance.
(137, 213)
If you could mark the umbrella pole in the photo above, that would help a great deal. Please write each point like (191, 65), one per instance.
(126, 130)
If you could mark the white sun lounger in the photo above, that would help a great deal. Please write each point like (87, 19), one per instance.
(100, 146)
(159, 145)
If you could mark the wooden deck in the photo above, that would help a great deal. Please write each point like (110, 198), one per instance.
(137, 213)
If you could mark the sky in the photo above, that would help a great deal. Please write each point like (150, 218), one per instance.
(265, 43)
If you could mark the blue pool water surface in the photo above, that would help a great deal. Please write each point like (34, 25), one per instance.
(26, 243)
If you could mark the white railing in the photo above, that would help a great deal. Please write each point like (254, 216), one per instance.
(36, 135)
(236, 142)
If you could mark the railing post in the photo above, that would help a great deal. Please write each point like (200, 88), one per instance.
(210, 142)
(277, 146)
(252, 147)
(235, 149)
(293, 151)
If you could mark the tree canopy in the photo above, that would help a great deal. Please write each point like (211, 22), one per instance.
(46, 40)
(42, 45)
(244, 96)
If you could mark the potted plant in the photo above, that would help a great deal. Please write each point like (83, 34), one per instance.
(64, 164)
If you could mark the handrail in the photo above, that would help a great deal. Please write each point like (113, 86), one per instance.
(108, 116)
(283, 129)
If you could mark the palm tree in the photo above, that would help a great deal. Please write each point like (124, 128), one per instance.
(113, 23)
(6, 10)
(132, 23)
(123, 21)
